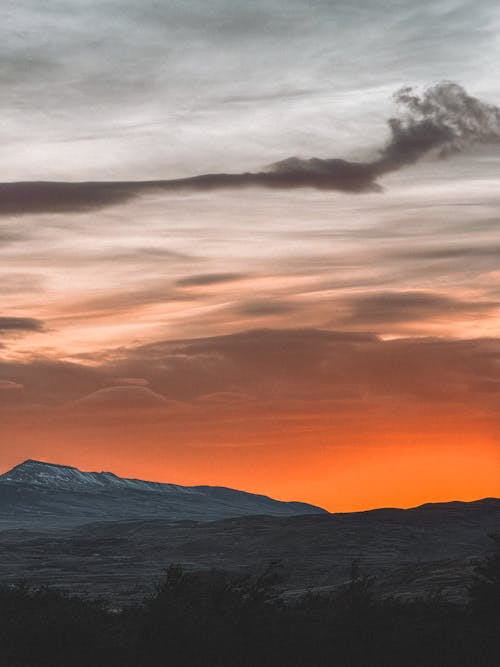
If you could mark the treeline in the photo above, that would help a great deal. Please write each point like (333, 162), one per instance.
(220, 619)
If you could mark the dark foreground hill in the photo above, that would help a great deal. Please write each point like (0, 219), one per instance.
(425, 550)
(39, 495)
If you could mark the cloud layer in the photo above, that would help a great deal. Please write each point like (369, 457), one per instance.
(444, 118)
(157, 91)
(272, 366)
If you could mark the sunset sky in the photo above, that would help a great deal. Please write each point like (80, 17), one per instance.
(315, 330)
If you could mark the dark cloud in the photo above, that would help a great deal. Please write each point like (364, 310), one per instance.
(265, 308)
(203, 279)
(394, 307)
(20, 324)
(444, 118)
(46, 197)
(452, 252)
(276, 366)
(313, 365)
(7, 237)
(151, 255)
(51, 382)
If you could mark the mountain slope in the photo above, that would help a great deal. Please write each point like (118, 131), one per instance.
(40, 495)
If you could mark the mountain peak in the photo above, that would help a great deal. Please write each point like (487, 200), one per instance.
(33, 464)
(41, 473)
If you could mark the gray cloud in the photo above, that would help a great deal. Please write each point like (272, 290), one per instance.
(46, 197)
(397, 307)
(443, 118)
(203, 279)
(455, 252)
(265, 308)
(7, 237)
(20, 324)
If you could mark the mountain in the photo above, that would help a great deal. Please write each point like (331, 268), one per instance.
(99, 534)
(422, 551)
(42, 495)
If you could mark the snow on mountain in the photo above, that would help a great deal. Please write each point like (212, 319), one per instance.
(39, 494)
(39, 473)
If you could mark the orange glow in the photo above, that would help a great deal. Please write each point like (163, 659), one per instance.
(356, 465)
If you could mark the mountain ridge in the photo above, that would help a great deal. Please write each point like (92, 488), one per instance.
(40, 494)
(44, 473)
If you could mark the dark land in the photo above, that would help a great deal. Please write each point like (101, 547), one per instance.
(422, 551)
(96, 534)
(97, 570)
(218, 619)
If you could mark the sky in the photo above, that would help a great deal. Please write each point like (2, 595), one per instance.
(254, 245)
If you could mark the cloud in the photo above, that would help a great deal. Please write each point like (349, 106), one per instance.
(20, 324)
(17, 283)
(7, 237)
(313, 366)
(123, 301)
(204, 279)
(388, 307)
(51, 382)
(255, 361)
(454, 252)
(46, 197)
(310, 370)
(444, 118)
(122, 397)
(265, 308)
(138, 382)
